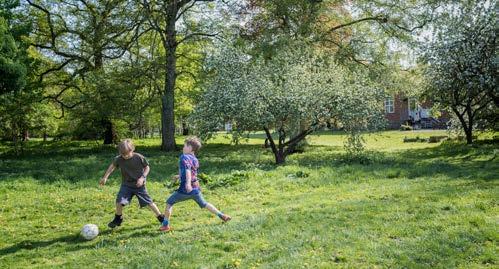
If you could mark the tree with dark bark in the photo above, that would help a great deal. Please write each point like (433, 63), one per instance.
(162, 16)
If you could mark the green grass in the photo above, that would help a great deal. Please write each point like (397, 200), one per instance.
(415, 205)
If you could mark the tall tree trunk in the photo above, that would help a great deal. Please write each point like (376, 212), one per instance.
(185, 129)
(167, 100)
(109, 132)
(280, 156)
(469, 136)
(467, 126)
(469, 132)
(279, 153)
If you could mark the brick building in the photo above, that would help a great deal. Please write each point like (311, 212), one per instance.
(400, 110)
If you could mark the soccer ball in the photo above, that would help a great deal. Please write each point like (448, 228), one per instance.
(89, 231)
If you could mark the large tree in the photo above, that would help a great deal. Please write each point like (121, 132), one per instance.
(295, 93)
(21, 111)
(84, 37)
(462, 64)
(164, 16)
(351, 30)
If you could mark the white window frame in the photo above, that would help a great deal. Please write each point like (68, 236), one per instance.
(389, 105)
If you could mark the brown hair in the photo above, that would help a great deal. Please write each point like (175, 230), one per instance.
(194, 142)
(126, 146)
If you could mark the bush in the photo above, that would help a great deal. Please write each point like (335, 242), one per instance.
(364, 157)
(416, 139)
(436, 139)
(204, 179)
(234, 178)
(299, 174)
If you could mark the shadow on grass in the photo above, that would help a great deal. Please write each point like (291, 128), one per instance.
(454, 160)
(29, 244)
(76, 239)
(86, 162)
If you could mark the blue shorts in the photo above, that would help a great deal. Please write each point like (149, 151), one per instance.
(179, 197)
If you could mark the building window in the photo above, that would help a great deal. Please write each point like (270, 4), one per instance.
(389, 107)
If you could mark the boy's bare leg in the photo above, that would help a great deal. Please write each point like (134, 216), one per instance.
(168, 211)
(217, 212)
(165, 227)
(154, 209)
(119, 209)
(212, 209)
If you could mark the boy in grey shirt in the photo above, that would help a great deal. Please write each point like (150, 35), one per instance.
(134, 170)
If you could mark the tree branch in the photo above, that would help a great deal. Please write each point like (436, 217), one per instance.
(192, 35)
(379, 18)
(271, 140)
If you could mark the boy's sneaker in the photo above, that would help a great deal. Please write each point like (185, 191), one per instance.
(225, 218)
(165, 228)
(116, 221)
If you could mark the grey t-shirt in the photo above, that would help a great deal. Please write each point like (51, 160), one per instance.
(131, 169)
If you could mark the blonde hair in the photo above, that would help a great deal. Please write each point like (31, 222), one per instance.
(194, 142)
(126, 146)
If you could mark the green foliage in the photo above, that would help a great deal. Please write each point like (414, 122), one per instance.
(296, 91)
(114, 96)
(13, 56)
(232, 179)
(299, 174)
(12, 72)
(23, 112)
(461, 62)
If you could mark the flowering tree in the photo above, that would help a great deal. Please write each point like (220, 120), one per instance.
(294, 93)
(462, 65)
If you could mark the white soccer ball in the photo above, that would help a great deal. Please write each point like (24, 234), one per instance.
(89, 231)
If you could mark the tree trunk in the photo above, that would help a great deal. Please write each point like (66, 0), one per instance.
(469, 136)
(168, 102)
(266, 143)
(280, 156)
(167, 115)
(279, 153)
(185, 129)
(109, 132)
(467, 126)
(469, 132)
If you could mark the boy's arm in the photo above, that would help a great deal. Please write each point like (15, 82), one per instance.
(188, 178)
(142, 179)
(109, 170)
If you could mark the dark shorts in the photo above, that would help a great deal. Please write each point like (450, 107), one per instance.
(179, 197)
(126, 193)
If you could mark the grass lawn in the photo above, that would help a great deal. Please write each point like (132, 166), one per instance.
(415, 205)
